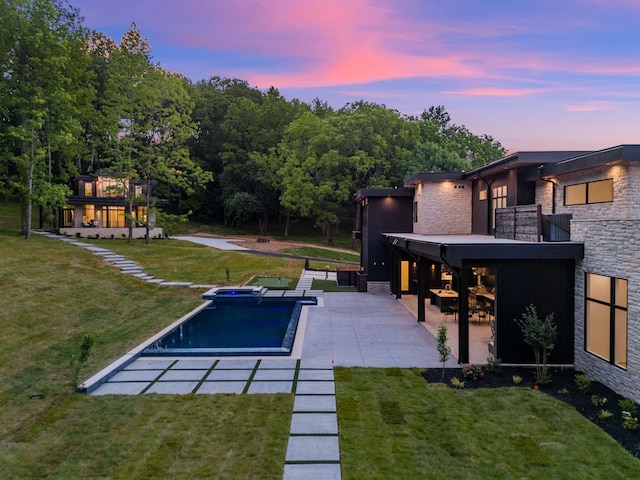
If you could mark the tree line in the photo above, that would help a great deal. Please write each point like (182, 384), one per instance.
(74, 101)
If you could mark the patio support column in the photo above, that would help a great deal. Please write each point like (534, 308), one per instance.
(463, 315)
(396, 274)
(422, 278)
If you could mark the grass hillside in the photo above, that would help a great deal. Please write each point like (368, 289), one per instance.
(392, 424)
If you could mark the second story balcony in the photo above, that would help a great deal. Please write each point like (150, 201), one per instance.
(526, 222)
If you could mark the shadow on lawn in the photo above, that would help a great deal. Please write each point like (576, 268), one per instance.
(563, 387)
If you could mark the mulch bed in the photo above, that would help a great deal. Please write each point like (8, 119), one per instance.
(561, 379)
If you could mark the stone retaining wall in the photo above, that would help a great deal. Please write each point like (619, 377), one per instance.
(108, 232)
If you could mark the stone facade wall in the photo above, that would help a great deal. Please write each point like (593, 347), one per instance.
(378, 287)
(444, 208)
(611, 236)
(612, 248)
(626, 193)
(544, 196)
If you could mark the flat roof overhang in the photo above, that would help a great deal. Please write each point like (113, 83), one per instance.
(383, 192)
(608, 156)
(458, 249)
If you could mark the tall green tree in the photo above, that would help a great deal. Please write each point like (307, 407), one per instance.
(252, 131)
(448, 141)
(212, 99)
(46, 88)
(148, 124)
(315, 182)
(375, 142)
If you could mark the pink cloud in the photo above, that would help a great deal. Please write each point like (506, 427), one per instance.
(591, 107)
(496, 92)
(334, 43)
(352, 42)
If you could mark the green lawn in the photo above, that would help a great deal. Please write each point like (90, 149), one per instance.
(276, 283)
(392, 425)
(316, 252)
(330, 286)
(178, 260)
(52, 294)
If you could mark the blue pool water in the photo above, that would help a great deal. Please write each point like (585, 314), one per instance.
(236, 325)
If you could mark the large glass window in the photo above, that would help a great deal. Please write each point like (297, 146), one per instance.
(140, 214)
(115, 217)
(499, 200)
(67, 217)
(591, 192)
(606, 318)
(110, 187)
(88, 214)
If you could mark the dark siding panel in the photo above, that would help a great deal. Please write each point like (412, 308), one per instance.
(548, 285)
(384, 214)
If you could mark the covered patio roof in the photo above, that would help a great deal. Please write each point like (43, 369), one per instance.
(457, 248)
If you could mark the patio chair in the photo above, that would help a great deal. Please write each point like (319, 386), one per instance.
(451, 312)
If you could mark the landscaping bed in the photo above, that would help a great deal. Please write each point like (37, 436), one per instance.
(563, 386)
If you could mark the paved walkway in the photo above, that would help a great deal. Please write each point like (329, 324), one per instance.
(219, 243)
(346, 329)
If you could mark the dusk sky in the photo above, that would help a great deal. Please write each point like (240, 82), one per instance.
(533, 74)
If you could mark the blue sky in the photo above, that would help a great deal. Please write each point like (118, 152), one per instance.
(533, 74)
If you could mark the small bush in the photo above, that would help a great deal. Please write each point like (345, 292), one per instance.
(457, 383)
(627, 405)
(540, 335)
(604, 414)
(563, 391)
(629, 422)
(493, 365)
(517, 379)
(472, 372)
(598, 401)
(582, 382)
(444, 350)
(77, 361)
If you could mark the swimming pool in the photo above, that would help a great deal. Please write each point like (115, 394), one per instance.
(236, 324)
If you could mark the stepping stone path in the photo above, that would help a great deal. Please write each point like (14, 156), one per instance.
(119, 261)
(313, 450)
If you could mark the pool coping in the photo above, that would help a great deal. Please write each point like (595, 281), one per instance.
(92, 383)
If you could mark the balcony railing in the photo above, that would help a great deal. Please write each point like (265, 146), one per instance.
(526, 222)
(556, 227)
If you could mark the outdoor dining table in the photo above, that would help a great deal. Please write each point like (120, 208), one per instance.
(443, 298)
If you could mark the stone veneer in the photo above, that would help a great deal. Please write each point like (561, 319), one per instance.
(444, 208)
(612, 248)
(611, 235)
(378, 287)
(626, 193)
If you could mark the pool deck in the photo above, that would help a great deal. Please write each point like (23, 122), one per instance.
(344, 329)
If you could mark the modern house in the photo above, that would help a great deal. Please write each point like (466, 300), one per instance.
(557, 230)
(104, 205)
